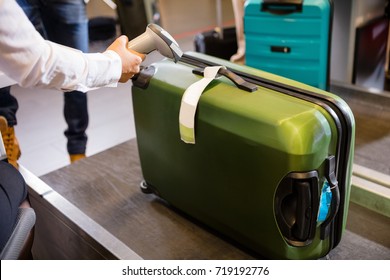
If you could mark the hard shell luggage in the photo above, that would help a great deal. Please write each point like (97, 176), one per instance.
(101, 28)
(267, 162)
(211, 42)
(132, 17)
(290, 38)
(220, 42)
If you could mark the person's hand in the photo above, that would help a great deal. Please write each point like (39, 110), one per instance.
(131, 60)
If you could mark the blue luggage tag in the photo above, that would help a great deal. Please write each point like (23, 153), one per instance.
(325, 201)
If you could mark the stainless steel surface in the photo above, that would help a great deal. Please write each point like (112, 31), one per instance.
(63, 231)
(106, 188)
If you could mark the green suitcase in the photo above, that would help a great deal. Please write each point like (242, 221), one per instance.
(272, 161)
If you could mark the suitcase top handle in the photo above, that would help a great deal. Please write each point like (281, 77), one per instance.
(237, 80)
(282, 7)
(192, 95)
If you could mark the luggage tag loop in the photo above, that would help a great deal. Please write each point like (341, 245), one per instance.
(189, 103)
(237, 80)
(192, 95)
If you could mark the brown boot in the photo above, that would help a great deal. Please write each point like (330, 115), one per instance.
(10, 142)
(76, 157)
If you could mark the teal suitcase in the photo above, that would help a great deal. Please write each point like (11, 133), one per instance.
(270, 167)
(290, 38)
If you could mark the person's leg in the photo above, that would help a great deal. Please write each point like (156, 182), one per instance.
(66, 23)
(238, 9)
(8, 103)
(8, 108)
(13, 192)
(76, 116)
(32, 8)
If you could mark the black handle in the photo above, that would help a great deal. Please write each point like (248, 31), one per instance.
(143, 78)
(280, 49)
(301, 228)
(282, 7)
(127, 2)
(237, 80)
(296, 206)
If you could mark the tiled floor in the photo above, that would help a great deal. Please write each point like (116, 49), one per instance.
(41, 125)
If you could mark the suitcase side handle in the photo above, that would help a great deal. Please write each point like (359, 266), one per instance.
(282, 7)
(296, 207)
(237, 80)
(303, 215)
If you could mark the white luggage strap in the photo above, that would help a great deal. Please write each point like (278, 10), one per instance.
(192, 95)
(189, 103)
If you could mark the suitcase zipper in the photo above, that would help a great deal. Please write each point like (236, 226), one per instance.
(333, 225)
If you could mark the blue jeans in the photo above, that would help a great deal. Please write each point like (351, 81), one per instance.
(64, 22)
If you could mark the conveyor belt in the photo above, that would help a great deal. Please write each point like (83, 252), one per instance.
(105, 187)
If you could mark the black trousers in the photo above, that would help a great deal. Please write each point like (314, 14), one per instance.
(13, 191)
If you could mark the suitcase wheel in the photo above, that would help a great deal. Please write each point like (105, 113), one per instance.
(145, 187)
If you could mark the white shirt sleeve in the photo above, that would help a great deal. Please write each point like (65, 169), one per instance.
(34, 62)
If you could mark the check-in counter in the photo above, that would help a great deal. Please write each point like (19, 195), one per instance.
(95, 209)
